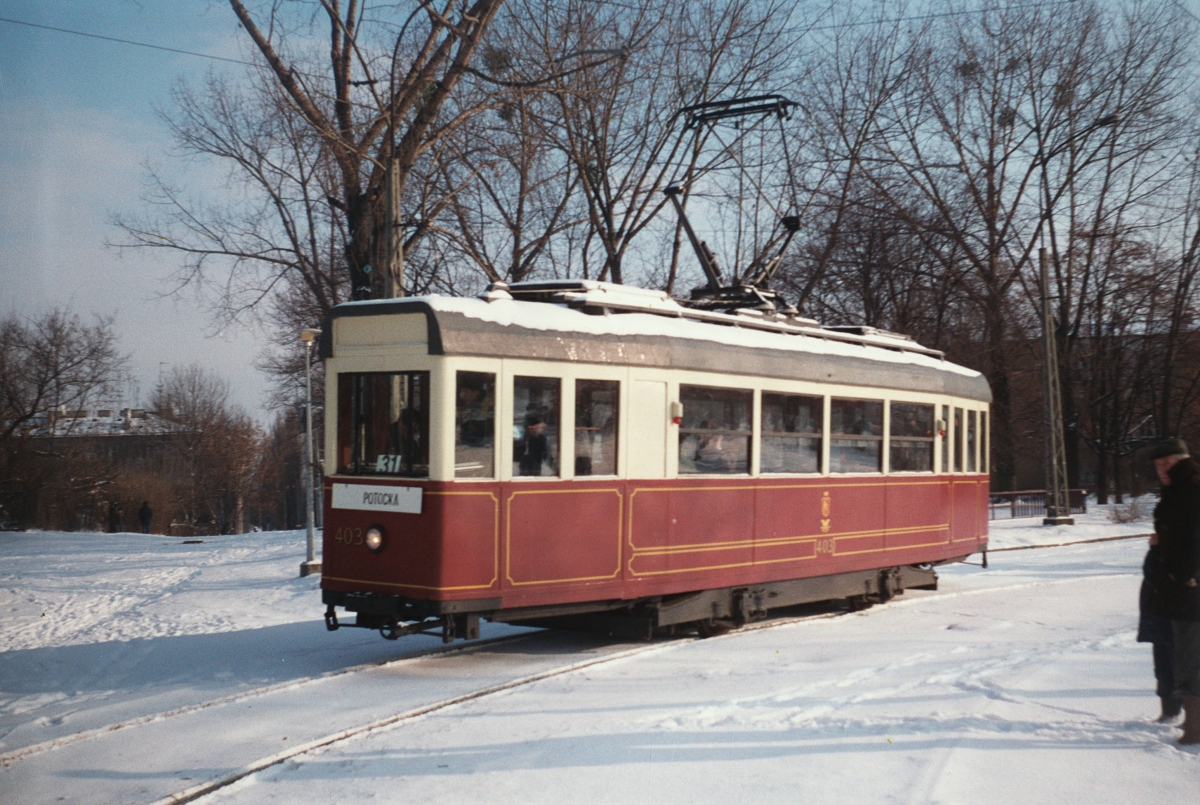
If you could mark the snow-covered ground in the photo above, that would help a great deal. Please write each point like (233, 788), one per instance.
(1098, 523)
(135, 667)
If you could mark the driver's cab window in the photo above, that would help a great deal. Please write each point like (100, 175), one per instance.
(383, 424)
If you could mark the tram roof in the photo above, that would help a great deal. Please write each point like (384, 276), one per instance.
(595, 322)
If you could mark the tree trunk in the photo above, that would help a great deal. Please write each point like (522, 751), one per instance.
(1003, 463)
(1101, 476)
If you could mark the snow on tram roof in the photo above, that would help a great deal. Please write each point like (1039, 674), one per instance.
(571, 307)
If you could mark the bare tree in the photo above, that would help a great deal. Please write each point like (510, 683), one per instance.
(309, 145)
(1000, 119)
(513, 194)
(216, 451)
(50, 367)
(616, 123)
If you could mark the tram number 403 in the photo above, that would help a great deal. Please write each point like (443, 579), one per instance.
(824, 546)
(349, 536)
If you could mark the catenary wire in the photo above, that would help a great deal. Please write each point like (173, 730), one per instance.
(121, 41)
(806, 29)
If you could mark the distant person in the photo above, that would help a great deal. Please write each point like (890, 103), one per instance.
(1174, 577)
(144, 515)
(114, 517)
(533, 451)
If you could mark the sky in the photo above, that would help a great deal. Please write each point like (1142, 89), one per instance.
(78, 126)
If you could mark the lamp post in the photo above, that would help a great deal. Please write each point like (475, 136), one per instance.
(309, 336)
(1058, 507)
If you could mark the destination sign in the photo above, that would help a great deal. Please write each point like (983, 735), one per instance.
(371, 497)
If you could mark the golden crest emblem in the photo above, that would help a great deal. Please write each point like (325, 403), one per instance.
(826, 507)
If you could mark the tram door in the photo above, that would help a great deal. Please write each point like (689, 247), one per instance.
(648, 430)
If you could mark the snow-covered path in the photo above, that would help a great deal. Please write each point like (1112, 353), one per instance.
(1020, 682)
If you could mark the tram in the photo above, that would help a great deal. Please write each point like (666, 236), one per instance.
(582, 453)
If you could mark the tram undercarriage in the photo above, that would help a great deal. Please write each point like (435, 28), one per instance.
(709, 612)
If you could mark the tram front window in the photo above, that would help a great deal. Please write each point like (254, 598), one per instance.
(791, 432)
(535, 426)
(911, 445)
(475, 425)
(383, 424)
(856, 436)
(596, 406)
(714, 436)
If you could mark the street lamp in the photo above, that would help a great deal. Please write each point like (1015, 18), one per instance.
(1058, 507)
(309, 336)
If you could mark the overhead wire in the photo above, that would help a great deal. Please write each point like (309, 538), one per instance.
(800, 28)
(933, 15)
(1185, 9)
(121, 41)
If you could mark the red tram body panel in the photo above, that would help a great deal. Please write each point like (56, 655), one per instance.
(532, 544)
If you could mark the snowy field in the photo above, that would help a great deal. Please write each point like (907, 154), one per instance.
(135, 667)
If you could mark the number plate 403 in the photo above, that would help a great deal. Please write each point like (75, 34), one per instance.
(348, 536)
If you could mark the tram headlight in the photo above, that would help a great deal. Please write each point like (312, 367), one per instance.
(374, 538)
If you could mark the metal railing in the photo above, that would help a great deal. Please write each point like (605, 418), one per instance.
(1031, 503)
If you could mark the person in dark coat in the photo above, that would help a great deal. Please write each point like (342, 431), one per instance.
(534, 449)
(114, 517)
(1158, 632)
(144, 515)
(1174, 579)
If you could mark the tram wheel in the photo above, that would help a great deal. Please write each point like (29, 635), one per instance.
(713, 628)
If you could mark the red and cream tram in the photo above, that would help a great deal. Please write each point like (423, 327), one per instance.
(584, 452)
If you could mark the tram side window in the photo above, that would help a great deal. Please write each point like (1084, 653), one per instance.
(958, 440)
(535, 425)
(714, 436)
(971, 441)
(945, 438)
(911, 441)
(983, 442)
(475, 425)
(383, 424)
(596, 407)
(791, 432)
(856, 436)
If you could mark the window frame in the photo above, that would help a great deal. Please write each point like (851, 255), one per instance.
(456, 374)
(556, 444)
(819, 434)
(616, 427)
(848, 437)
(959, 442)
(683, 433)
(350, 425)
(893, 439)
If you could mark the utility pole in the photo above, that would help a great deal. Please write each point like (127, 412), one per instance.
(310, 565)
(1058, 509)
(393, 235)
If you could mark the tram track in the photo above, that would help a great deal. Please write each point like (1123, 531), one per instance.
(97, 732)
